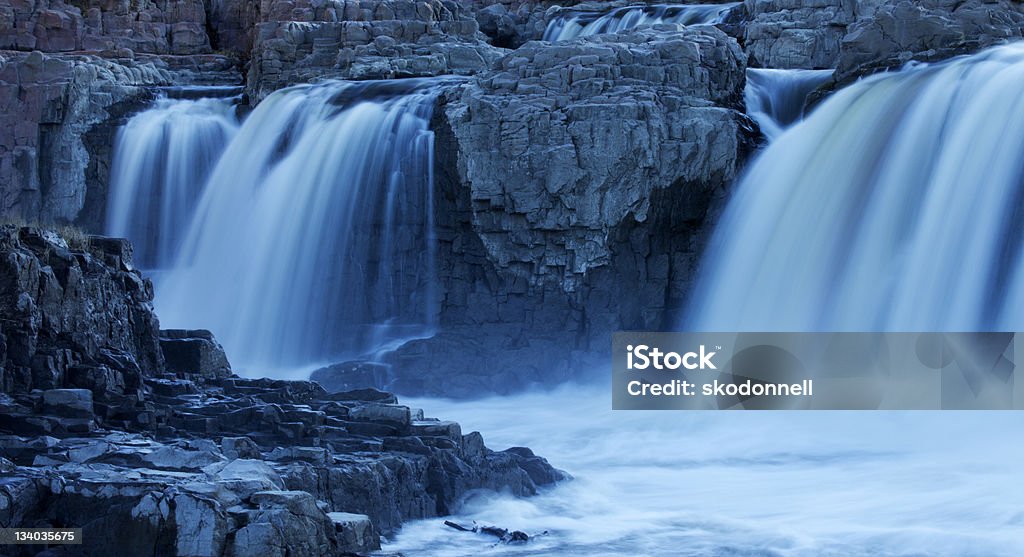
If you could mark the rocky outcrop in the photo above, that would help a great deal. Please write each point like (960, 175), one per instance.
(861, 36)
(58, 118)
(187, 459)
(803, 34)
(74, 316)
(150, 26)
(565, 173)
(562, 143)
(354, 39)
(900, 31)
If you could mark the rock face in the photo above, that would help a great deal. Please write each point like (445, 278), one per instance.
(860, 36)
(355, 39)
(73, 316)
(187, 459)
(152, 26)
(58, 118)
(798, 33)
(568, 173)
(900, 31)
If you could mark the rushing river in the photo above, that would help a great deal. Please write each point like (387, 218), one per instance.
(763, 484)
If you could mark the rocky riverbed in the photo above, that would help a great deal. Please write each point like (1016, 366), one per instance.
(146, 440)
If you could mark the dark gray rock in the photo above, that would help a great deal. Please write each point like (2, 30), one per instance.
(899, 31)
(798, 33)
(58, 117)
(155, 26)
(566, 172)
(348, 376)
(69, 309)
(193, 353)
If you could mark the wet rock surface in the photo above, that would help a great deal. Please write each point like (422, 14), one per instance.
(187, 459)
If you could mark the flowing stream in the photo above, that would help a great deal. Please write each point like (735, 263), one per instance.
(313, 240)
(161, 161)
(775, 99)
(573, 25)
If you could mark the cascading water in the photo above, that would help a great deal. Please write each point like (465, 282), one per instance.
(775, 98)
(314, 238)
(583, 24)
(895, 206)
(162, 158)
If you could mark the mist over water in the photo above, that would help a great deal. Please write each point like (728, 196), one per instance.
(760, 484)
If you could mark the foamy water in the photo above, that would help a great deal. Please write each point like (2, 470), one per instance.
(743, 483)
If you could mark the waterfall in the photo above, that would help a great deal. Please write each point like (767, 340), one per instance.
(314, 239)
(896, 205)
(161, 160)
(584, 24)
(775, 98)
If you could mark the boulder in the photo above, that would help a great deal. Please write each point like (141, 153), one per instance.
(69, 403)
(193, 353)
(355, 532)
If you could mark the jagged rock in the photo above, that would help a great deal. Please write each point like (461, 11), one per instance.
(194, 353)
(69, 403)
(798, 33)
(212, 464)
(154, 26)
(240, 447)
(365, 40)
(201, 525)
(899, 31)
(67, 311)
(347, 376)
(562, 143)
(299, 526)
(355, 532)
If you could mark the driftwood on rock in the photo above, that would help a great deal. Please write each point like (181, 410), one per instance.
(503, 535)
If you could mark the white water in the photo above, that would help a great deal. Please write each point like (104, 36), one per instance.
(162, 158)
(775, 98)
(585, 24)
(893, 206)
(764, 484)
(314, 237)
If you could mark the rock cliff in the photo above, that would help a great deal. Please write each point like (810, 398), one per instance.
(146, 441)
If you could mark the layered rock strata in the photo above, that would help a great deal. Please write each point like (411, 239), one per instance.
(146, 441)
